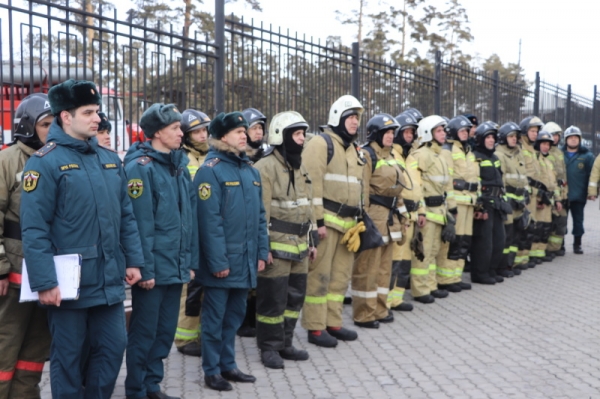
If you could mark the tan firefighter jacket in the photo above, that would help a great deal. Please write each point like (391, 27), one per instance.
(532, 165)
(435, 179)
(557, 159)
(288, 202)
(382, 185)
(12, 162)
(464, 172)
(412, 196)
(594, 178)
(514, 174)
(548, 176)
(337, 184)
(196, 158)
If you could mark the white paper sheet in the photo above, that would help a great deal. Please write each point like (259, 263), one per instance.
(68, 274)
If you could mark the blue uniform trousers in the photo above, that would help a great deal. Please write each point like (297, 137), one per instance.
(152, 326)
(100, 327)
(576, 211)
(223, 310)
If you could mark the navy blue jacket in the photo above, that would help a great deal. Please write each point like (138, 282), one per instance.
(233, 233)
(74, 200)
(164, 204)
(579, 168)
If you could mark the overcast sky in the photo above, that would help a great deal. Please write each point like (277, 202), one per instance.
(559, 38)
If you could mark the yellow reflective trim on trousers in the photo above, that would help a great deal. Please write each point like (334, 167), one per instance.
(435, 217)
(186, 335)
(513, 248)
(555, 239)
(315, 299)
(335, 298)
(290, 314)
(293, 249)
(269, 320)
(419, 272)
(458, 155)
(537, 253)
(340, 222)
(521, 259)
(445, 272)
(486, 163)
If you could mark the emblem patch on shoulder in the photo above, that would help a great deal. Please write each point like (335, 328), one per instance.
(204, 191)
(135, 188)
(256, 183)
(30, 180)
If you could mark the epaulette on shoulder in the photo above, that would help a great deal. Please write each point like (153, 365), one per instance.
(45, 149)
(211, 162)
(107, 148)
(145, 160)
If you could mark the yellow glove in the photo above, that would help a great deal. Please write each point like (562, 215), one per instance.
(354, 237)
(351, 231)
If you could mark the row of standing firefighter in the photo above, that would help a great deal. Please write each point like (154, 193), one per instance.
(405, 210)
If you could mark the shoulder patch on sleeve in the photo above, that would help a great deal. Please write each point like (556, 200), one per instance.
(144, 160)
(211, 162)
(107, 148)
(135, 188)
(30, 180)
(204, 191)
(45, 149)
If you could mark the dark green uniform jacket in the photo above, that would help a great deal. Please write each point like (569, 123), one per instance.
(579, 168)
(75, 201)
(233, 233)
(164, 204)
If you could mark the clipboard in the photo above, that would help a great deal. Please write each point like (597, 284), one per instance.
(68, 274)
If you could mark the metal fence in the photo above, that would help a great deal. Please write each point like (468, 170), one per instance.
(250, 65)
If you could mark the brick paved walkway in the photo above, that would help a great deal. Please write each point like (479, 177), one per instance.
(534, 336)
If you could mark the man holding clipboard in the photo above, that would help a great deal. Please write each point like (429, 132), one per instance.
(74, 201)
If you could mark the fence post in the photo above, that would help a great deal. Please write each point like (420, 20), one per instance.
(220, 61)
(594, 117)
(495, 104)
(355, 84)
(536, 95)
(568, 106)
(437, 104)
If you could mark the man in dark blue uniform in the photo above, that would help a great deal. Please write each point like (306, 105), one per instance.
(75, 201)
(164, 203)
(233, 245)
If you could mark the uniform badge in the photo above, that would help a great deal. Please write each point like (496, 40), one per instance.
(135, 188)
(204, 191)
(580, 166)
(30, 180)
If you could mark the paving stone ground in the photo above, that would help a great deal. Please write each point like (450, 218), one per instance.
(534, 336)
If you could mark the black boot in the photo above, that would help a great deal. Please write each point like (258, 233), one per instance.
(450, 287)
(577, 246)
(561, 251)
(322, 339)
(291, 353)
(192, 349)
(403, 307)
(271, 359)
(343, 334)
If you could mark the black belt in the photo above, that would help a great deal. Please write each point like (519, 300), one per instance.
(516, 191)
(461, 185)
(491, 191)
(342, 210)
(411, 205)
(388, 202)
(12, 230)
(436, 200)
(537, 184)
(298, 229)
